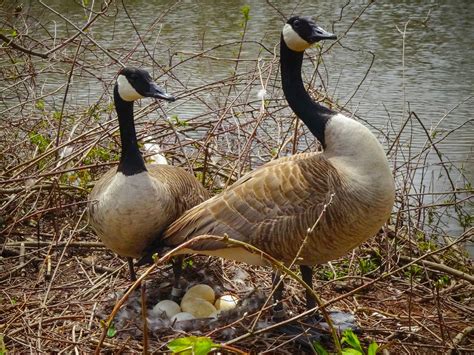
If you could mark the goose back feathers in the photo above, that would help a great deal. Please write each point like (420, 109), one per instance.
(273, 207)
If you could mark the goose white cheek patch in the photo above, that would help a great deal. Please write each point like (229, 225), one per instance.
(126, 90)
(293, 39)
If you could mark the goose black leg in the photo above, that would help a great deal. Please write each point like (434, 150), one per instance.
(133, 275)
(341, 320)
(313, 327)
(278, 311)
(177, 264)
(303, 335)
(307, 276)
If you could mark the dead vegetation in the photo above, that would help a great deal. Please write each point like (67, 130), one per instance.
(410, 287)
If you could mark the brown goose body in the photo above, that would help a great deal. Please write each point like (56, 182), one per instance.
(275, 206)
(128, 213)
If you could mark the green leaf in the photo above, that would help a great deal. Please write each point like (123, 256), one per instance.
(3, 348)
(351, 339)
(111, 331)
(40, 105)
(350, 351)
(57, 115)
(179, 122)
(319, 348)
(192, 345)
(39, 140)
(372, 349)
(245, 10)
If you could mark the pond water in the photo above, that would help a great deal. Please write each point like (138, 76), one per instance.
(434, 78)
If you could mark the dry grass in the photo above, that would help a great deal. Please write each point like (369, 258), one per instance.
(58, 281)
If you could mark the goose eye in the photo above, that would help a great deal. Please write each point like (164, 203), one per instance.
(296, 23)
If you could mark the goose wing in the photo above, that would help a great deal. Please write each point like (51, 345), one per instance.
(186, 191)
(271, 207)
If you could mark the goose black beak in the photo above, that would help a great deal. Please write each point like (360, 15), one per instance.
(319, 34)
(157, 92)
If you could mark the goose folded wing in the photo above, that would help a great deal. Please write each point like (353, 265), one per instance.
(270, 208)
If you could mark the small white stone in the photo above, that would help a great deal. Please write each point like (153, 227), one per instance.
(170, 308)
(226, 302)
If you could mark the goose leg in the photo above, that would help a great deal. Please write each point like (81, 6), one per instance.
(133, 275)
(278, 311)
(177, 264)
(341, 320)
(307, 276)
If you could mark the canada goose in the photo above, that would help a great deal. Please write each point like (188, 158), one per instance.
(133, 203)
(275, 207)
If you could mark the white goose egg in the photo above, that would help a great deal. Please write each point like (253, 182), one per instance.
(226, 302)
(200, 291)
(178, 317)
(170, 308)
(198, 307)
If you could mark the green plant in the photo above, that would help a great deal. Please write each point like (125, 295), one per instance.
(111, 331)
(339, 269)
(3, 349)
(443, 281)
(40, 105)
(187, 263)
(367, 265)
(353, 345)
(39, 140)
(427, 246)
(97, 154)
(192, 345)
(466, 220)
(178, 122)
(414, 270)
(319, 349)
(245, 10)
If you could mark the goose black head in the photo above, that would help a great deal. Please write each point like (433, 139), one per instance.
(134, 84)
(300, 32)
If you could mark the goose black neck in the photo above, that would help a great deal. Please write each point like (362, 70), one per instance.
(131, 160)
(314, 115)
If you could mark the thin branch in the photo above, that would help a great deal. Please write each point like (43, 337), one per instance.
(12, 44)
